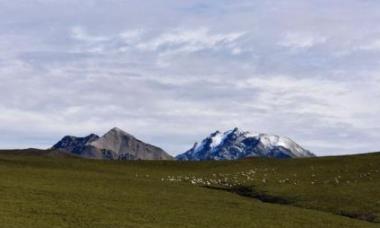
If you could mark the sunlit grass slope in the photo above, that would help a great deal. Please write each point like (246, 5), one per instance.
(41, 189)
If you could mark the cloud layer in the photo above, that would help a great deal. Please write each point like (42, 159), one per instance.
(172, 72)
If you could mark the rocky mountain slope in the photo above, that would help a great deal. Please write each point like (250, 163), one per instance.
(114, 145)
(236, 144)
(75, 145)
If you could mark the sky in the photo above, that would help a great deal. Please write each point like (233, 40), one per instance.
(171, 72)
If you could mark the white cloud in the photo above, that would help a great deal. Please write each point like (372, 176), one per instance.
(333, 101)
(301, 40)
(371, 46)
(80, 34)
(132, 35)
(191, 40)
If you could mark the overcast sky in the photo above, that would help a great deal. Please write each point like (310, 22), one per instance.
(172, 71)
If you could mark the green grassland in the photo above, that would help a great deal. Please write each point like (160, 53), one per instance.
(48, 189)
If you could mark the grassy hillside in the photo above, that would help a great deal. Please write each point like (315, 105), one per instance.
(41, 189)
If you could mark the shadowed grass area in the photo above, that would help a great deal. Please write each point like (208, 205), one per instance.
(249, 191)
(39, 189)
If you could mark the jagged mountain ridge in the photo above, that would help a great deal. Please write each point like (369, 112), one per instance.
(116, 144)
(236, 144)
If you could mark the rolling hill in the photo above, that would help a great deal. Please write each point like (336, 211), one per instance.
(48, 189)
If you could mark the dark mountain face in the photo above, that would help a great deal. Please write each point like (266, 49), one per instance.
(114, 145)
(236, 144)
(74, 144)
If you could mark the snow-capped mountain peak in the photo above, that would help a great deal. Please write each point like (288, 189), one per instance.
(237, 144)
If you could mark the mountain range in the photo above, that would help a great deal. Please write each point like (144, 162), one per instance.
(235, 144)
